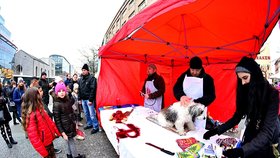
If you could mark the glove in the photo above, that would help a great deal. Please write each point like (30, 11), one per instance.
(234, 153)
(210, 133)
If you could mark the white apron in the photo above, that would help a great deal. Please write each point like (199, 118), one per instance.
(193, 88)
(154, 104)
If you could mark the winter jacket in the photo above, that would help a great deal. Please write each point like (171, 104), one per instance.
(41, 131)
(45, 87)
(6, 112)
(71, 84)
(208, 88)
(17, 95)
(87, 88)
(64, 116)
(258, 137)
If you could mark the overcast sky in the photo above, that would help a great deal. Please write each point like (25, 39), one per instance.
(63, 27)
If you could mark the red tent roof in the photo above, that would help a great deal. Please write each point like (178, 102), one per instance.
(219, 31)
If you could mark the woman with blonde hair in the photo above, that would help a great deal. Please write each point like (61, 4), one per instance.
(39, 127)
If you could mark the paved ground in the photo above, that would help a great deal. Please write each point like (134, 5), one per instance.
(95, 146)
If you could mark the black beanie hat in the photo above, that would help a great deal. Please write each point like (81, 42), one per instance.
(85, 67)
(196, 63)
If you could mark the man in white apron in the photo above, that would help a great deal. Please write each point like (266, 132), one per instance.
(153, 89)
(195, 84)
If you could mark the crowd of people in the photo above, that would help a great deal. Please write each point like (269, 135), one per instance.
(51, 110)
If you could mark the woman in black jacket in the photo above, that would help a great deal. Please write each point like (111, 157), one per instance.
(4, 122)
(258, 101)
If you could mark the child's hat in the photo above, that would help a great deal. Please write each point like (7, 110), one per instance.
(60, 86)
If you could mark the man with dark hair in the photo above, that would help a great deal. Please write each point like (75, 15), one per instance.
(67, 80)
(196, 84)
(87, 97)
(153, 89)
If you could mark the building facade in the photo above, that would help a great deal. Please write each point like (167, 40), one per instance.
(126, 12)
(62, 65)
(28, 65)
(7, 48)
(51, 71)
(7, 52)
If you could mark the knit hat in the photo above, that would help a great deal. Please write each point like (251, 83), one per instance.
(20, 80)
(60, 86)
(153, 66)
(58, 79)
(85, 67)
(195, 63)
(75, 86)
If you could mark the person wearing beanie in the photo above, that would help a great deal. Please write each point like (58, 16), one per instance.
(87, 97)
(64, 118)
(85, 67)
(257, 101)
(153, 89)
(196, 84)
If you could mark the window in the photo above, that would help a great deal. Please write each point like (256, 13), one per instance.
(142, 5)
(123, 22)
(131, 14)
(131, 3)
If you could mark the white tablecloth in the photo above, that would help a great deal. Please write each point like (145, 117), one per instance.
(149, 132)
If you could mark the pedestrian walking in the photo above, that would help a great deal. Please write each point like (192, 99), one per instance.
(5, 118)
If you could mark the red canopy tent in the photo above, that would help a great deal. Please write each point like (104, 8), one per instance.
(169, 33)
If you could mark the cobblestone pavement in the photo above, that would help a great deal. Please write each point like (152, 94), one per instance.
(94, 146)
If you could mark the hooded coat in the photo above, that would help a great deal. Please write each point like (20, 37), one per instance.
(258, 101)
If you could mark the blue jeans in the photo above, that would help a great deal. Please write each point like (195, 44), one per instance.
(19, 110)
(90, 114)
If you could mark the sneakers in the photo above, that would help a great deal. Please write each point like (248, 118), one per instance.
(94, 131)
(57, 151)
(88, 127)
(80, 135)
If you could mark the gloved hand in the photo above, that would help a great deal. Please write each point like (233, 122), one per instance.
(234, 153)
(210, 133)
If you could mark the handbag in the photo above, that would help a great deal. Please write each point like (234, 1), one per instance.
(2, 115)
(12, 104)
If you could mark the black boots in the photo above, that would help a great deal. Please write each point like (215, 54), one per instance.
(69, 156)
(9, 144)
(12, 140)
(80, 156)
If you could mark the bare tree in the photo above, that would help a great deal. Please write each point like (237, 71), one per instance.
(90, 57)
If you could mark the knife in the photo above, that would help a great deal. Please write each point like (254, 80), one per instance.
(161, 149)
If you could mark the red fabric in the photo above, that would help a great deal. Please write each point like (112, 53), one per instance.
(218, 31)
(41, 131)
(169, 33)
(123, 79)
